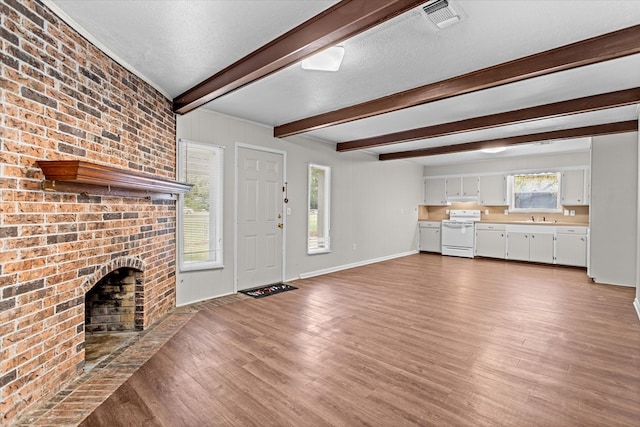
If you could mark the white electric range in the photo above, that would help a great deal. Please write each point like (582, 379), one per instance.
(458, 232)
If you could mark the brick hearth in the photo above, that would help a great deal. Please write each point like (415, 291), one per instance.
(61, 98)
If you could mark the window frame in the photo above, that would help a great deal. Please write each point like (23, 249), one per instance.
(327, 209)
(216, 199)
(511, 193)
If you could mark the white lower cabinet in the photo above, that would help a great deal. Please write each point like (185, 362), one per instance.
(541, 248)
(429, 236)
(518, 246)
(547, 244)
(571, 246)
(491, 240)
(531, 243)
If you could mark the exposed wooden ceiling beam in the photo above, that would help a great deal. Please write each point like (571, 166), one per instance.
(609, 46)
(619, 127)
(563, 108)
(336, 24)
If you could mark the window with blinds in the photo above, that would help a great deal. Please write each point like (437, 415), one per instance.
(200, 210)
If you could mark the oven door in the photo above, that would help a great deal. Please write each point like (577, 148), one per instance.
(457, 234)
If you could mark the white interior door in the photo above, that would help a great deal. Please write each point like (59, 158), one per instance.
(260, 218)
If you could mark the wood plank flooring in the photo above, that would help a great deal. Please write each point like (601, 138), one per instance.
(417, 341)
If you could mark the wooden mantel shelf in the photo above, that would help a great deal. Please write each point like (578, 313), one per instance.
(78, 176)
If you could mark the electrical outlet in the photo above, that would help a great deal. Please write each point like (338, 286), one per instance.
(446, 211)
(486, 211)
(572, 213)
(288, 211)
(506, 211)
(566, 212)
(354, 246)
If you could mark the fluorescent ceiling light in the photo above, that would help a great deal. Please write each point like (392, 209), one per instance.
(493, 150)
(327, 60)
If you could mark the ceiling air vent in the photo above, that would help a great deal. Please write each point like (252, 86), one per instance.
(441, 13)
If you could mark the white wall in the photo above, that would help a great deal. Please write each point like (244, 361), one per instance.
(614, 209)
(524, 163)
(373, 203)
(636, 302)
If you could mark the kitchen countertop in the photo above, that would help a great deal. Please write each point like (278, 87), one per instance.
(561, 224)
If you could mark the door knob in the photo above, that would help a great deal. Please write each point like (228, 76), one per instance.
(280, 225)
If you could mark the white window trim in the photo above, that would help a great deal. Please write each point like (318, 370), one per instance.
(510, 194)
(218, 226)
(327, 202)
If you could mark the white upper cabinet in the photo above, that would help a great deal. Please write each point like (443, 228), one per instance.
(575, 188)
(462, 187)
(454, 186)
(470, 186)
(492, 190)
(435, 191)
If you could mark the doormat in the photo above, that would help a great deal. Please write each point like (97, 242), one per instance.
(265, 291)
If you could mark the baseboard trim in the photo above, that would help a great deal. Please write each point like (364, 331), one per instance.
(204, 299)
(636, 304)
(352, 265)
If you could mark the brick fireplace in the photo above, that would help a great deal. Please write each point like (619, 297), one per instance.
(110, 306)
(61, 98)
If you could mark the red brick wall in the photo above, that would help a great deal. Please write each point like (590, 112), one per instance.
(62, 98)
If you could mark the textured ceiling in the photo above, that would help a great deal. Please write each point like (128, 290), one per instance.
(176, 44)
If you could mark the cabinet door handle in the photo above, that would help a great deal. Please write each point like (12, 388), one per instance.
(533, 237)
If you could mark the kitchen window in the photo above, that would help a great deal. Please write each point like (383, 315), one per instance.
(200, 209)
(318, 209)
(539, 192)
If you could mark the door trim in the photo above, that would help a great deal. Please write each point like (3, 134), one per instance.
(238, 146)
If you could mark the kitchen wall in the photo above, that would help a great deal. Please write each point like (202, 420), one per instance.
(496, 214)
(546, 162)
(62, 98)
(636, 302)
(373, 206)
